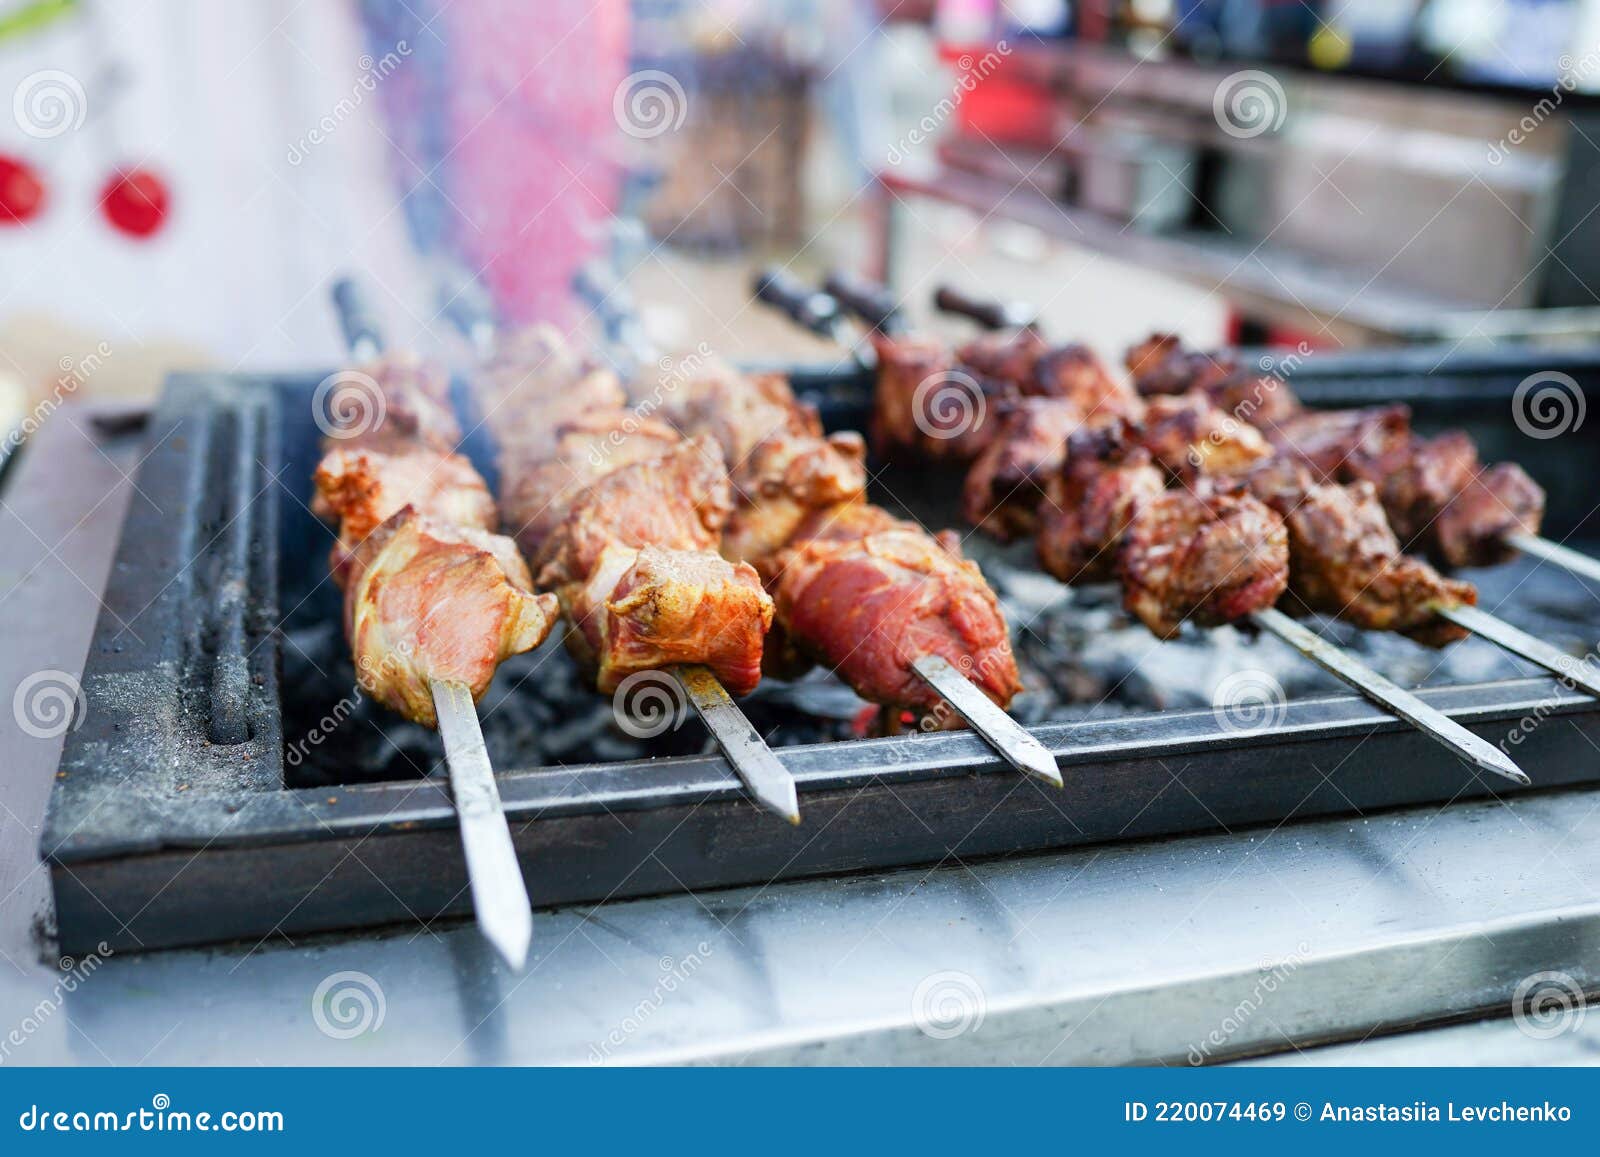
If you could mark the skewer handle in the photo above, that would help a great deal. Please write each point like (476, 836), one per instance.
(808, 308)
(869, 301)
(362, 332)
(989, 314)
(1429, 720)
(499, 894)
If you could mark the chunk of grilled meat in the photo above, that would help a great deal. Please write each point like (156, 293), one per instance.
(428, 600)
(621, 515)
(781, 463)
(927, 404)
(1089, 504)
(1075, 373)
(1326, 440)
(1144, 357)
(1471, 530)
(361, 485)
(399, 396)
(677, 501)
(1005, 485)
(1345, 561)
(1187, 436)
(1203, 558)
(1009, 357)
(1162, 365)
(647, 608)
(543, 475)
(866, 594)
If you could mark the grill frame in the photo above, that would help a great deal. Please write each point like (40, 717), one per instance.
(159, 834)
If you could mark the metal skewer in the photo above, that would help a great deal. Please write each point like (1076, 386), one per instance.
(1432, 722)
(499, 895)
(1568, 667)
(764, 776)
(1563, 556)
(1003, 733)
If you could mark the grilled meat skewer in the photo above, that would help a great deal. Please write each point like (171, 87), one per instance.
(430, 591)
(434, 602)
(1439, 497)
(621, 516)
(856, 589)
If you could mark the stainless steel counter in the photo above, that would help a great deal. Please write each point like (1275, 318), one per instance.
(1213, 947)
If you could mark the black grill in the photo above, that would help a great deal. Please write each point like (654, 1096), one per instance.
(227, 783)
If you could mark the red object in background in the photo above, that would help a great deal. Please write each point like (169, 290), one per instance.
(1001, 101)
(135, 201)
(21, 191)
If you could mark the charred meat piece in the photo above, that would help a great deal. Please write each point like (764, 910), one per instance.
(1261, 400)
(1090, 503)
(868, 605)
(1075, 373)
(1188, 436)
(1005, 485)
(1346, 562)
(1183, 371)
(400, 396)
(928, 404)
(1150, 353)
(1009, 358)
(1416, 479)
(1208, 559)
(647, 608)
(1325, 440)
(427, 600)
(1471, 530)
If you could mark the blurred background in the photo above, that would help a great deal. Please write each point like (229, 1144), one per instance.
(179, 180)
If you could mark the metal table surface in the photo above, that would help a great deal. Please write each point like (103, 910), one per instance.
(1220, 946)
